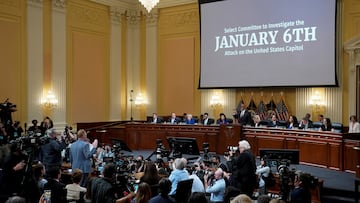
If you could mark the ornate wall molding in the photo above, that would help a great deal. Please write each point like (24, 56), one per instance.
(37, 3)
(133, 17)
(60, 4)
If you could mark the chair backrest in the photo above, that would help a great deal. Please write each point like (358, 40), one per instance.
(183, 190)
(337, 127)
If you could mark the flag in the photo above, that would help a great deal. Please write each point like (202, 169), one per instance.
(252, 105)
(282, 111)
(261, 110)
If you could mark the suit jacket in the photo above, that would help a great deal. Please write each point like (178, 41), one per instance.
(50, 153)
(80, 155)
(158, 120)
(245, 119)
(58, 191)
(176, 121)
(209, 122)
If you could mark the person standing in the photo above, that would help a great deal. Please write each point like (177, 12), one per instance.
(243, 170)
(81, 153)
(216, 188)
(354, 126)
(50, 153)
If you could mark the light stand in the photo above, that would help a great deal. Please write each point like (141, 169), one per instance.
(131, 105)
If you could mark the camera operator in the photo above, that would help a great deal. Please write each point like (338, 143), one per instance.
(69, 136)
(243, 169)
(102, 190)
(46, 125)
(15, 131)
(216, 187)
(50, 152)
(3, 134)
(16, 180)
(301, 192)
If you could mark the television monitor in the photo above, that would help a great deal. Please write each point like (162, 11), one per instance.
(277, 43)
(119, 144)
(183, 145)
(276, 156)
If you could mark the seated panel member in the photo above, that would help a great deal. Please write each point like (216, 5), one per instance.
(206, 120)
(274, 121)
(156, 119)
(222, 119)
(189, 119)
(173, 119)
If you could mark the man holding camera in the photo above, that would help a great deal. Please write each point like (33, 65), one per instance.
(81, 153)
(50, 152)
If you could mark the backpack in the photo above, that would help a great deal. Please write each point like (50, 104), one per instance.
(270, 180)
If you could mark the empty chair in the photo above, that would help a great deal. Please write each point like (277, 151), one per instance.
(183, 191)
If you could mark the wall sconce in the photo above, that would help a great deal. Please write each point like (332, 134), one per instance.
(216, 103)
(140, 100)
(49, 100)
(318, 104)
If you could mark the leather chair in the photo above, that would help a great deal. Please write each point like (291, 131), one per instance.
(183, 191)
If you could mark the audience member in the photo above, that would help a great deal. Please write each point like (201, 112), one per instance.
(178, 174)
(139, 164)
(354, 126)
(222, 119)
(173, 119)
(143, 194)
(262, 171)
(16, 199)
(243, 169)
(50, 153)
(217, 187)
(263, 199)
(197, 197)
(241, 199)
(74, 190)
(81, 152)
(58, 192)
(164, 189)
(206, 120)
(39, 172)
(151, 177)
(197, 185)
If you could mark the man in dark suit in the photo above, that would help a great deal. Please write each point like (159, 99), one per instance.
(156, 119)
(81, 153)
(243, 169)
(58, 192)
(173, 119)
(244, 116)
(206, 120)
(50, 153)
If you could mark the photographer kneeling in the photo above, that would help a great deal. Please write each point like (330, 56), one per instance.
(102, 190)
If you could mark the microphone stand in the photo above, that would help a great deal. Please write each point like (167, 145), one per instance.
(131, 106)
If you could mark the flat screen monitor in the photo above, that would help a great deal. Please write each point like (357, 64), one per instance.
(184, 145)
(280, 155)
(259, 43)
(119, 144)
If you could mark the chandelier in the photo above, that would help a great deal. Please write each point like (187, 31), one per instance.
(149, 4)
(49, 101)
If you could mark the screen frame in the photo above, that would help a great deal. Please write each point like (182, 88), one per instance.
(337, 53)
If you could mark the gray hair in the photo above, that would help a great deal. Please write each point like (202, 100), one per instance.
(179, 163)
(244, 144)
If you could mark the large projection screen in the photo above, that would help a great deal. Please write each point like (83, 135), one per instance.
(268, 43)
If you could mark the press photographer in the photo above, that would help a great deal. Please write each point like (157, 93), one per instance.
(17, 177)
(50, 153)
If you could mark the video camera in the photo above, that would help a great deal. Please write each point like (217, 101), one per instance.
(29, 142)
